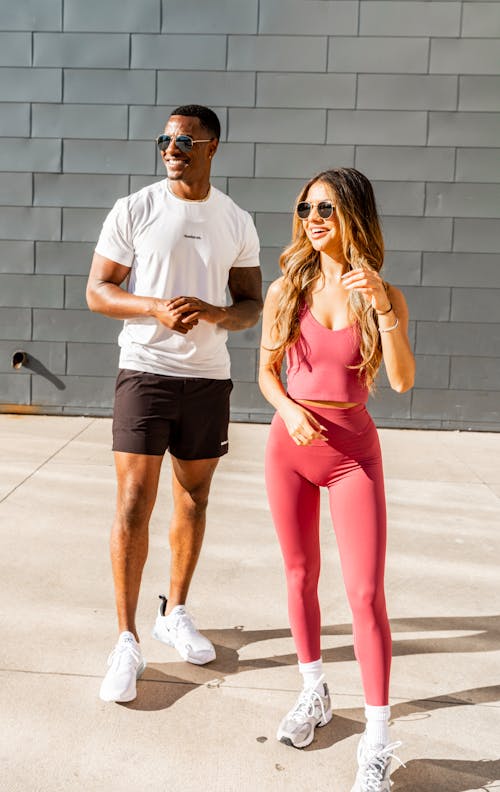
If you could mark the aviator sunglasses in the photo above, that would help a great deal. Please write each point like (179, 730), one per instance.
(325, 209)
(183, 142)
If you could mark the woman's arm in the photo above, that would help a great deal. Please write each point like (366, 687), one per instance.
(302, 426)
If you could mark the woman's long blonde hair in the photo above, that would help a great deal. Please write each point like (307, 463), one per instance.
(363, 246)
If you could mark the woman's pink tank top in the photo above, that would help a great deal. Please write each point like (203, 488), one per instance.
(317, 365)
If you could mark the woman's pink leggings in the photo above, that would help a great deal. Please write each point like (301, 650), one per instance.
(350, 465)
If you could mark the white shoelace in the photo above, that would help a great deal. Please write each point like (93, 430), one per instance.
(183, 624)
(305, 705)
(125, 652)
(375, 765)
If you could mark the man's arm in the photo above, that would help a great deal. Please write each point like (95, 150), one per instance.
(105, 296)
(245, 287)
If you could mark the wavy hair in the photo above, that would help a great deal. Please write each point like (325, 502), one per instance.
(363, 246)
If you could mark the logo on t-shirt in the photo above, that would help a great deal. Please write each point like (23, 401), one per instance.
(192, 236)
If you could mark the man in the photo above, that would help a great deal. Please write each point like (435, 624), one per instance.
(179, 242)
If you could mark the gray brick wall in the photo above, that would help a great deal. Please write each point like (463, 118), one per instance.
(408, 92)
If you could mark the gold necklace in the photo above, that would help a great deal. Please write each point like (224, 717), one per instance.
(190, 200)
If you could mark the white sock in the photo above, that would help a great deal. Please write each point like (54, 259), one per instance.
(377, 725)
(311, 672)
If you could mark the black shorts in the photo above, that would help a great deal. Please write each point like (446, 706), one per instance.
(153, 413)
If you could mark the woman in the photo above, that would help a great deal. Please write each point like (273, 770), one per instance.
(334, 318)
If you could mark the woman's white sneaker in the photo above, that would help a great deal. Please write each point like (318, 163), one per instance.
(126, 665)
(177, 629)
(374, 767)
(312, 708)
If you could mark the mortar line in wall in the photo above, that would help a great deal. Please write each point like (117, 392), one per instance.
(461, 21)
(46, 461)
(62, 14)
(258, 16)
(32, 47)
(161, 16)
(130, 50)
(358, 27)
(429, 46)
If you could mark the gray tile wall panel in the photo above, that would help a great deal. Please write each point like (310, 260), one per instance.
(477, 236)
(246, 397)
(481, 19)
(266, 195)
(17, 256)
(455, 405)
(380, 55)
(276, 126)
(15, 323)
(109, 86)
(30, 85)
(478, 165)
(234, 159)
(275, 230)
(65, 258)
(386, 403)
(15, 389)
(15, 49)
(479, 93)
(269, 263)
(408, 163)
(138, 182)
(245, 339)
(402, 268)
(463, 200)
(210, 87)
(32, 291)
(74, 292)
(461, 269)
(472, 56)
(475, 373)
(94, 360)
(243, 365)
(86, 190)
(315, 17)
(457, 338)
(14, 119)
(464, 129)
(75, 391)
(16, 189)
(218, 16)
(428, 303)
(399, 198)
(274, 53)
(407, 18)
(306, 90)
(178, 52)
(79, 121)
(94, 15)
(407, 92)
(473, 305)
(377, 126)
(30, 155)
(82, 225)
(122, 156)
(417, 233)
(147, 122)
(31, 15)
(50, 325)
(432, 371)
(23, 222)
(51, 355)
(300, 160)
(97, 50)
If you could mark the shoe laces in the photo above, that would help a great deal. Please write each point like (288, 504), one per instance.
(375, 764)
(125, 652)
(306, 703)
(183, 622)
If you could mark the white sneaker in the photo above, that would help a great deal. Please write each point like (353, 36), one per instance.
(374, 767)
(126, 664)
(312, 708)
(177, 629)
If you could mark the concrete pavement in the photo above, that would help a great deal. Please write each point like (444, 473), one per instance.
(213, 728)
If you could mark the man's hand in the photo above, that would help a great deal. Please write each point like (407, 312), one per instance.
(173, 314)
(192, 309)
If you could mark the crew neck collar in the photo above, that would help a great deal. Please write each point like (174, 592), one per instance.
(188, 200)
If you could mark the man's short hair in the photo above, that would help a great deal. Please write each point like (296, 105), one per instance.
(207, 117)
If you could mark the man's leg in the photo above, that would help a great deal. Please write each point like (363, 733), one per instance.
(191, 481)
(137, 478)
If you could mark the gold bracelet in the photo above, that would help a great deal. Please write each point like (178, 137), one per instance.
(388, 329)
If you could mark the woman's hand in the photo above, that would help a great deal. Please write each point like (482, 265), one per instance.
(301, 425)
(370, 284)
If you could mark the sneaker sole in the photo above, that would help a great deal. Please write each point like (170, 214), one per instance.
(186, 658)
(123, 700)
(322, 722)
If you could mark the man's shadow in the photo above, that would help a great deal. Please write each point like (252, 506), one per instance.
(447, 775)
(165, 683)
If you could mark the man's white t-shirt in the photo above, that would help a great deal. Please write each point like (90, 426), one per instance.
(177, 248)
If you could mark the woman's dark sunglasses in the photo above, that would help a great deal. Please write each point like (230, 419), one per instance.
(325, 209)
(183, 142)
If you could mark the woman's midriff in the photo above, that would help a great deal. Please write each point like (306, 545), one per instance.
(342, 405)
